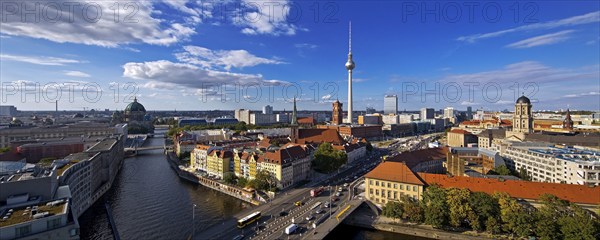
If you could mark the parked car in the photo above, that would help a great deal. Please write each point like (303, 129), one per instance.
(298, 203)
(310, 217)
(283, 213)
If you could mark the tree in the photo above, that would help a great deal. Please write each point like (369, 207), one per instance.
(434, 206)
(501, 170)
(548, 214)
(4, 149)
(492, 225)
(264, 181)
(242, 182)
(229, 178)
(523, 174)
(327, 159)
(411, 209)
(458, 205)
(392, 209)
(484, 207)
(579, 224)
(516, 219)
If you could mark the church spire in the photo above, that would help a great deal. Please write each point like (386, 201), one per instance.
(294, 114)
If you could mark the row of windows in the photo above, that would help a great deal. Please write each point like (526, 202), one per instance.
(393, 185)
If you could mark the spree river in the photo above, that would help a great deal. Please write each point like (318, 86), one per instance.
(149, 201)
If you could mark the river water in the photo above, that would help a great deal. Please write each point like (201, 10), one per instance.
(149, 201)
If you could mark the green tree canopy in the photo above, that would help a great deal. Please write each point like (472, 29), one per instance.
(327, 159)
(434, 206)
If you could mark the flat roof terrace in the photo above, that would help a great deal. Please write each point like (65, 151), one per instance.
(24, 214)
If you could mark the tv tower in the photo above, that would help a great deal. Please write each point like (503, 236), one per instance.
(350, 66)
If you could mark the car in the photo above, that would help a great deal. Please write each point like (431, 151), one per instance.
(319, 211)
(335, 199)
(238, 237)
(338, 194)
(326, 204)
(340, 189)
(310, 217)
(298, 203)
(283, 213)
(345, 184)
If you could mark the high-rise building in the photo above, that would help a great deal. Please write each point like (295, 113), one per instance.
(338, 115)
(8, 111)
(449, 112)
(469, 113)
(350, 66)
(390, 104)
(370, 110)
(242, 115)
(268, 109)
(523, 116)
(427, 113)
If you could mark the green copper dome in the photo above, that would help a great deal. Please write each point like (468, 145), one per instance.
(135, 106)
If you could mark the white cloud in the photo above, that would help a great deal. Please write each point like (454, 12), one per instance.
(326, 97)
(527, 71)
(582, 94)
(267, 17)
(95, 27)
(166, 73)
(467, 103)
(305, 45)
(546, 39)
(226, 59)
(565, 22)
(41, 60)
(77, 74)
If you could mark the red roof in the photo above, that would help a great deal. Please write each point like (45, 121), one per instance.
(517, 189)
(306, 120)
(424, 155)
(394, 171)
(460, 131)
(319, 136)
(284, 155)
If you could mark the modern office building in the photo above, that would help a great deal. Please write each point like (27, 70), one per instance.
(242, 115)
(427, 113)
(8, 111)
(81, 129)
(268, 109)
(555, 164)
(390, 104)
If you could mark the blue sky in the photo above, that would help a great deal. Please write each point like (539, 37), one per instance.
(202, 55)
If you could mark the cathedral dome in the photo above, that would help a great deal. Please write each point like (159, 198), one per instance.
(135, 106)
(523, 99)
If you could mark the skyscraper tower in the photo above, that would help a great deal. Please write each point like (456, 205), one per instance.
(294, 125)
(350, 66)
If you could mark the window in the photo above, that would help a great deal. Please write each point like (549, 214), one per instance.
(414, 188)
(22, 231)
(389, 185)
(401, 187)
(376, 183)
(370, 182)
(395, 186)
(54, 223)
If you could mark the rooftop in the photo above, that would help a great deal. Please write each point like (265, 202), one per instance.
(570, 154)
(24, 214)
(394, 171)
(104, 145)
(413, 158)
(517, 189)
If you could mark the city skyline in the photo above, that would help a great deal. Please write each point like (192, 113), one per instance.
(178, 54)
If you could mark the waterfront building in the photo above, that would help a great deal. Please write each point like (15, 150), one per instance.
(85, 129)
(219, 162)
(289, 164)
(199, 155)
(555, 164)
(390, 104)
(41, 220)
(390, 181)
(460, 138)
